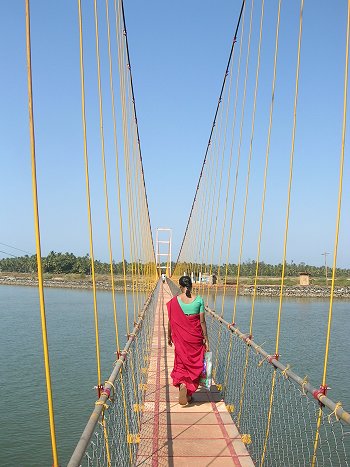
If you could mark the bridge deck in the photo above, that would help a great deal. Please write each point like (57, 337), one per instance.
(199, 434)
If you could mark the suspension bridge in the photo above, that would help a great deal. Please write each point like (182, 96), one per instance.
(258, 411)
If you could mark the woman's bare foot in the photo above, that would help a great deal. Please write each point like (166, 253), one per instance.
(182, 394)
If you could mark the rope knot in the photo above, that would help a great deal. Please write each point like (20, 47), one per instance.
(284, 372)
(303, 384)
(105, 406)
(338, 405)
(263, 360)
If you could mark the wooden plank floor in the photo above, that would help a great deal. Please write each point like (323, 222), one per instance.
(197, 435)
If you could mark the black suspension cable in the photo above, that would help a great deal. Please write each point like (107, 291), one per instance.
(9, 254)
(15, 248)
(136, 121)
(213, 126)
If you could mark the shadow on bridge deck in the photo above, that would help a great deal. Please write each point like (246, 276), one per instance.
(199, 434)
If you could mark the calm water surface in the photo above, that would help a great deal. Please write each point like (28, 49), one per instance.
(25, 439)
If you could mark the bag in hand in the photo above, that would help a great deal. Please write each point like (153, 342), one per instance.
(205, 378)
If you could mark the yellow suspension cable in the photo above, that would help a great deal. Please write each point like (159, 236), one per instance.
(247, 193)
(88, 196)
(204, 254)
(290, 179)
(262, 203)
(286, 229)
(142, 271)
(133, 221)
(213, 185)
(38, 243)
(207, 172)
(134, 192)
(216, 151)
(139, 214)
(146, 215)
(105, 435)
(246, 196)
(218, 196)
(225, 213)
(126, 130)
(127, 159)
(227, 187)
(269, 417)
(117, 161)
(197, 229)
(125, 135)
(237, 163)
(205, 215)
(126, 418)
(139, 237)
(201, 210)
(140, 225)
(195, 235)
(150, 256)
(188, 245)
(142, 228)
(105, 177)
(336, 239)
(140, 211)
(249, 158)
(241, 127)
(130, 219)
(228, 180)
(106, 209)
(266, 168)
(130, 187)
(234, 190)
(133, 185)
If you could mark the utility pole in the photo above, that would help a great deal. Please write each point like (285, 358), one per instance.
(325, 265)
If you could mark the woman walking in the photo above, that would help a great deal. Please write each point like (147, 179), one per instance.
(188, 331)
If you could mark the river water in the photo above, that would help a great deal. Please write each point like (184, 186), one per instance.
(25, 438)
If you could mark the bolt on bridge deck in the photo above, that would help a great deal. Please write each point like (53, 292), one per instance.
(199, 434)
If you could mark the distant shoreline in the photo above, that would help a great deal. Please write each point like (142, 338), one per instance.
(273, 290)
(312, 291)
(62, 283)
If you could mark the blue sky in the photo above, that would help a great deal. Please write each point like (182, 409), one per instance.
(179, 52)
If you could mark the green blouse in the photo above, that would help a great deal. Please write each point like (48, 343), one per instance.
(193, 308)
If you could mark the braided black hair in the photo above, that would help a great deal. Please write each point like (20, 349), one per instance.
(185, 281)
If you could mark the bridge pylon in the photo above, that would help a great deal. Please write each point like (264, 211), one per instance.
(163, 250)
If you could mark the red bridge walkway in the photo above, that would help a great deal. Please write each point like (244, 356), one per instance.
(197, 435)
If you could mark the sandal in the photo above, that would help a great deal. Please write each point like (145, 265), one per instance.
(182, 394)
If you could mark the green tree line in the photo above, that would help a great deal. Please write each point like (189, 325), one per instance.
(60, 263)
(248, 269)
(68, 263)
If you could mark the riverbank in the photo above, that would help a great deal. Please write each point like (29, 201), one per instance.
(63, 281)
(103, 283)
(297, 291)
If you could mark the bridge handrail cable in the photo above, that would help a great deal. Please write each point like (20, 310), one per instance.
(339, 412)
(90, 427)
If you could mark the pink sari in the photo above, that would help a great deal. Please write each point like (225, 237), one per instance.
(187, 336)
